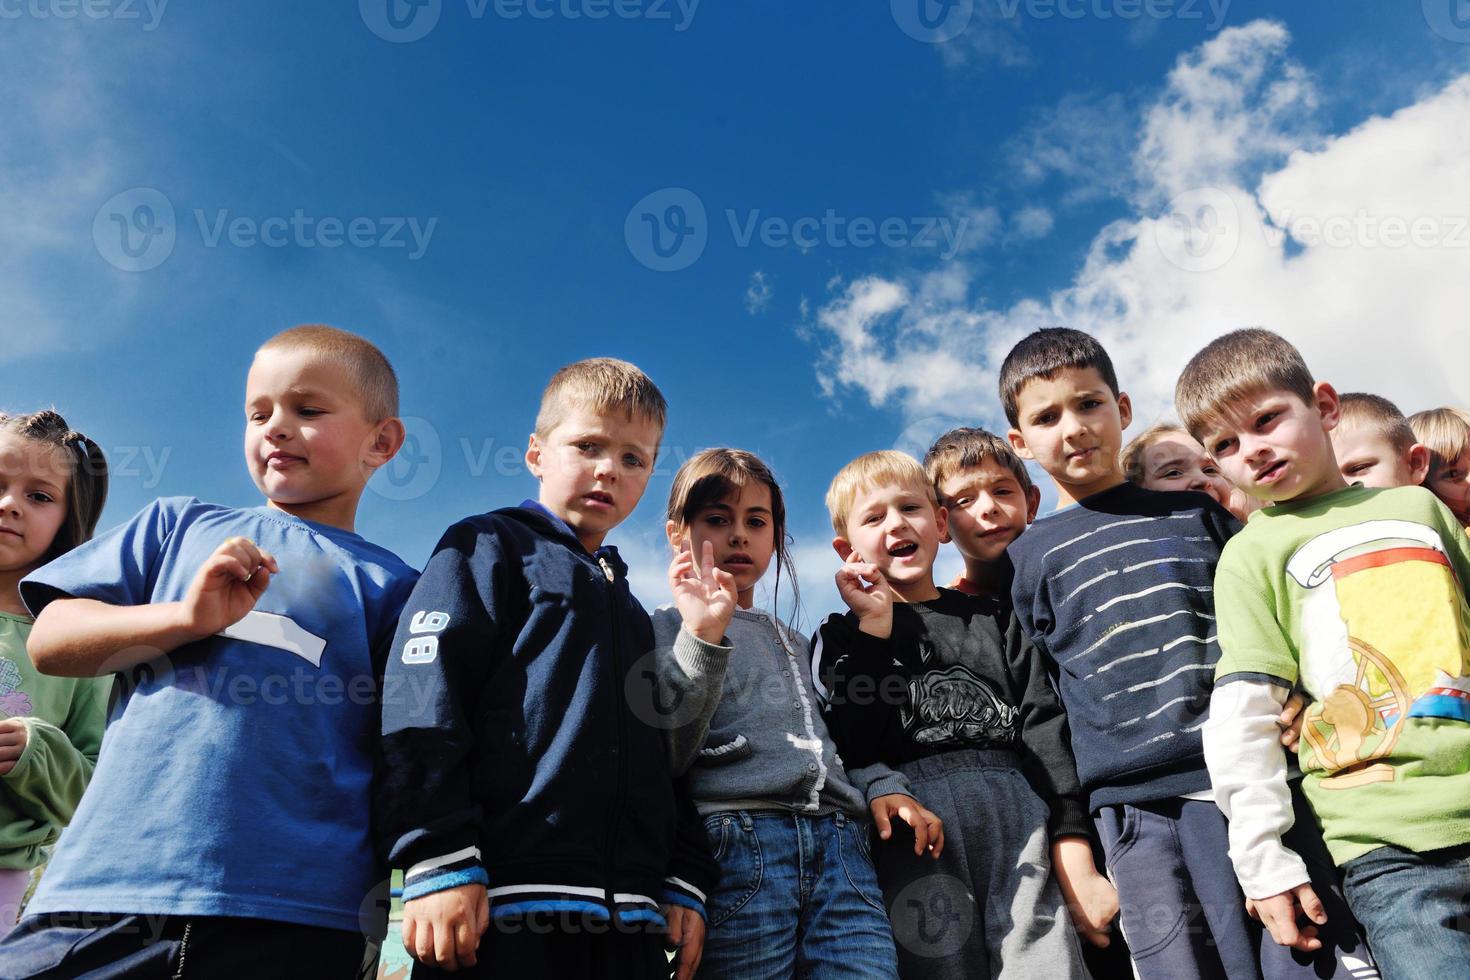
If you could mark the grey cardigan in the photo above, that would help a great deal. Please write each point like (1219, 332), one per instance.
(746, 727)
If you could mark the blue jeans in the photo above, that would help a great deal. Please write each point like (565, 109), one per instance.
(797, 897)
(1416, 908)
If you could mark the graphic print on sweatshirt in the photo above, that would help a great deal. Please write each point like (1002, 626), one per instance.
(952, 708)
(1389, 641)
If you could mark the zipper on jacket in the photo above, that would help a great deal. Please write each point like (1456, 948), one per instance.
(620, 799)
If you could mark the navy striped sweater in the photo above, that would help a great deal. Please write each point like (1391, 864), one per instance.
(1117, 592)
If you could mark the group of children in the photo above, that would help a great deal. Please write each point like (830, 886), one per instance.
(1081, 742)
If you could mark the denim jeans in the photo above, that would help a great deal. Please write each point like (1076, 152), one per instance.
(797, 897)
(1416, 908)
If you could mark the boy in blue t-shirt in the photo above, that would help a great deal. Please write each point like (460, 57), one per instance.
(228, 818)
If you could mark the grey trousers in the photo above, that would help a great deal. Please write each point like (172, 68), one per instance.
(989, 906)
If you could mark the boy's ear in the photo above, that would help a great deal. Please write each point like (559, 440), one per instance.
(1018, 443)
(941, 521)
(671, 531)
(384, 444)
(1125, 409)
(533, 456)
(843, 549)
(1033, 503)
(1418, 463)
(1327, 404)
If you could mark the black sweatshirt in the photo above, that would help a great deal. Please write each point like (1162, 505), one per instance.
(956, 673)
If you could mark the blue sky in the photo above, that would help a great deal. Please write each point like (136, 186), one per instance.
(490, 170)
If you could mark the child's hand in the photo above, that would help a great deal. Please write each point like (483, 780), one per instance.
(1279, 914)
(12, 743)
(1091, 898)
(227, 586)
(443, 929)
(1291, 718)
(866, 593)
(705, 594)
(928, 828)
(686, 933)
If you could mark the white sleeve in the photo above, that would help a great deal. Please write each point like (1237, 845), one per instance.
(1247, 766)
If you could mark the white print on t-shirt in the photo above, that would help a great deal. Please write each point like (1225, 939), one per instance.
(271, 630)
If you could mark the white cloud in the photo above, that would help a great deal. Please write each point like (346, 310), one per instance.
(758, 293)
(1080, 143)
(1233, 132)
(1032, 222)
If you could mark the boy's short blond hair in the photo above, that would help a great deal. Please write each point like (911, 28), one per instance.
(888, 466)
(1131, 457)
(375, 384)
(966, 448)
(1378, 415)
(604, 385)
(1238, 365)
(1445, 432)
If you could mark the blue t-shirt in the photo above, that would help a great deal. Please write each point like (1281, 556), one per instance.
(235, 772)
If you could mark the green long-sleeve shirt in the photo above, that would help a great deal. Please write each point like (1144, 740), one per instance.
(64, 718)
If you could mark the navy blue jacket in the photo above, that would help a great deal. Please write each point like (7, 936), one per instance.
(516, 751)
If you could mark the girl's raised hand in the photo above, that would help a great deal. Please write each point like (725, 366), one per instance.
(705, 595)
(866, 593)
(227, 586)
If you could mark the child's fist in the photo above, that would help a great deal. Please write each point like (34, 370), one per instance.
(227, 586)
(1291, 718)
(443, 929)
(1281, 913)
(686, 935)
(928, 828)
(12, 743)
(705, 595)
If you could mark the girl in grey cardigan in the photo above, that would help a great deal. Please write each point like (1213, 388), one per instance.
(788, 825)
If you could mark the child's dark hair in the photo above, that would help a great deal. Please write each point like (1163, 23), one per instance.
(710, 476)
(1042, 355)
(86, 489)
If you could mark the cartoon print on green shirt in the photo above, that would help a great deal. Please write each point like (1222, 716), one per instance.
(14, 703)
(1387, 641)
